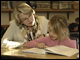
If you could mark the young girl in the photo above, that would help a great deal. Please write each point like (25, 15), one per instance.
(58, 34)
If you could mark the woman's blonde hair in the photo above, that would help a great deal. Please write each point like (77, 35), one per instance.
(22, 8)
(58, 23)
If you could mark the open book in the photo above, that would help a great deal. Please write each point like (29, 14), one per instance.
(60, 50)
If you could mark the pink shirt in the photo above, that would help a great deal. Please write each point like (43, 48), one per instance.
(49, 42)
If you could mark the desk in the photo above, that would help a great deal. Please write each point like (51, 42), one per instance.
(17, 53)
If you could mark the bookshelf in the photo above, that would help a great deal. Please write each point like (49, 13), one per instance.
(44, 11)
(6, 10)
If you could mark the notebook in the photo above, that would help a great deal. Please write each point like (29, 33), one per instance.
(60, 50)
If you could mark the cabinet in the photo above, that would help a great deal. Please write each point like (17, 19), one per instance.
(44, 11)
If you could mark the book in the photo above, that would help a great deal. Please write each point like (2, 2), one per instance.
(60, 50)
(15, 3)
(35, 50)
(10, 5)
(4, 5)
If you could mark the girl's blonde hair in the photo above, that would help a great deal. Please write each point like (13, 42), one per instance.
(58, 23)
(22, 8)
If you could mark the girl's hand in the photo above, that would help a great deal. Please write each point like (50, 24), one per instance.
(40, 45)
(25, 44)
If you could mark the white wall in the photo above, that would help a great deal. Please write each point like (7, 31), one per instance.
(73, 16)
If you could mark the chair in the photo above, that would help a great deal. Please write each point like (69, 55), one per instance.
(74, 34)
(3, 30)
(75, 41)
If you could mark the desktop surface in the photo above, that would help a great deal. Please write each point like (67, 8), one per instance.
(17, 53)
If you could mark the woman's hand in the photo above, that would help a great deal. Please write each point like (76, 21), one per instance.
(40, 45)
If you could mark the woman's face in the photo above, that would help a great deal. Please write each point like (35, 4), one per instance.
(52, 35)
(28, 20)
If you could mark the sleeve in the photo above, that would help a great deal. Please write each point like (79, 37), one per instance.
(73, 44)
(33, 43)
(8, 35)
(70, 43)
(7, 39)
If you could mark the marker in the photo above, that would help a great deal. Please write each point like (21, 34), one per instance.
(78, 56)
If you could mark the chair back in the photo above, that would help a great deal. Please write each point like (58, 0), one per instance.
(74, 34)
(75, 41)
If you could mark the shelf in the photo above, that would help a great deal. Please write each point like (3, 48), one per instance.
(45, 11)
(55, 10)
(6, 10)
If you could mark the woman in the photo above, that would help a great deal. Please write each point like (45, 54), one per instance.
(25, 27)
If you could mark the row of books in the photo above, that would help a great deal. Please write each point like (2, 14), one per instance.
(42, 4)
(10, 4)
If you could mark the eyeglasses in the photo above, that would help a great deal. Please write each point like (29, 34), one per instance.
(27, 18)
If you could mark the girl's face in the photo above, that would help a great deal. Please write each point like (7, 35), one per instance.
(28, 20)
(52, 35)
